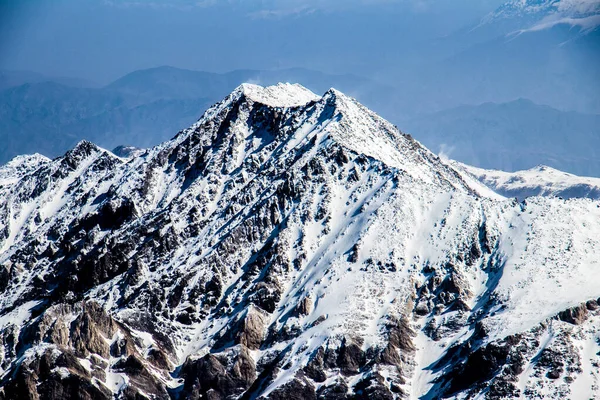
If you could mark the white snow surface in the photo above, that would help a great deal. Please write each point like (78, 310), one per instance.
(20, 166)
(539, 181)
(280, 95)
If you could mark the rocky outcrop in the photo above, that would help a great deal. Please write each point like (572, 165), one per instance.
(78, 346)
(218, 376)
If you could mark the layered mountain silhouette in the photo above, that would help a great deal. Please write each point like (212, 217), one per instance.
(513, 136)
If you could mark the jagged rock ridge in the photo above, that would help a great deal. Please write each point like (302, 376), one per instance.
(289, 246)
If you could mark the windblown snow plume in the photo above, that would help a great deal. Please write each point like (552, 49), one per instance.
(290, 245)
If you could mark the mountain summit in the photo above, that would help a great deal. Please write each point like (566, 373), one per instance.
(289, 245)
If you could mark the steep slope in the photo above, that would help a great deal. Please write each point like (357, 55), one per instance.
(20, 166)
(538, 181)
(290, 246)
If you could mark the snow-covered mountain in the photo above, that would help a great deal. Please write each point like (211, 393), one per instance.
(290, 245)
(548, 13)
(538, 181)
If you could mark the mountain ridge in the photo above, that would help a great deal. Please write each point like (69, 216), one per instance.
(515, 135)
(537, 181)
(141, 109)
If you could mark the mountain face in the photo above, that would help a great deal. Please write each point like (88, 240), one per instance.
(538, 181)
(512, 136)
(289, 245)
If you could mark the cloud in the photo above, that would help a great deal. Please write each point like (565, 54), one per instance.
(282, 13)
(157, 4)
(578, 7)
(586, 24)
(275, 9)
(266, 8)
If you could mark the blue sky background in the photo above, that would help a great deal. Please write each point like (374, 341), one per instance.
(100, 40)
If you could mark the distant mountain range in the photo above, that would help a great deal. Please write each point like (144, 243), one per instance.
(10, 79)
(545, 51)
(513, 136)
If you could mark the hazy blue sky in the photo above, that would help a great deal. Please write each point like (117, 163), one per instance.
(101, 40)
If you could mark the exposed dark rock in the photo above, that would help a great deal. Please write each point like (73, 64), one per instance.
(353, 253)
(372, 387)
(266, 296)
(110, 216)
(552, 362)
(4, 277)
(251, 330)
(159, 359)
(89, 329)
(296, 389)
(215, 375)
(304, 307)
(576, 315)
(315, 369)
(592, 305)
(39, 380)
(336, 391)
(131, 393)
(140, 376)
(502, 389)
(422, 308)
(72, 387)
(350, 357)
(480, 366)
(122, 347)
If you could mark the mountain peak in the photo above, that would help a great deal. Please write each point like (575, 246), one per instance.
(280, 95)
(304, 116)
(537, 181)
(83, 148)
